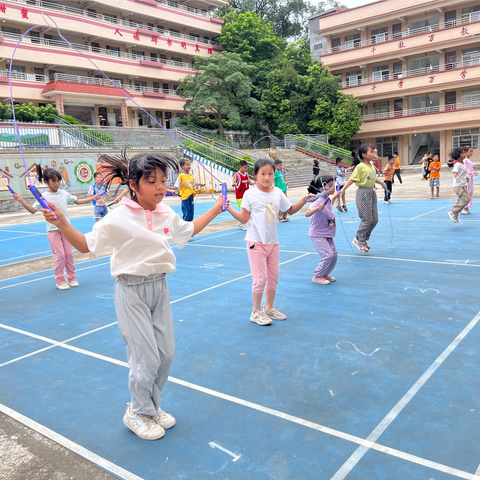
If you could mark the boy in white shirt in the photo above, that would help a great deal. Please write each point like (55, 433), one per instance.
(460, 180)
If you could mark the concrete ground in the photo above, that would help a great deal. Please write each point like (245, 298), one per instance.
(24, 453)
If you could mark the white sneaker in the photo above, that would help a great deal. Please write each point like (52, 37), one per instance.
(63, 286)
(143, 425)
(260, 318)
(73, 283)
(274, 314)
(165, 420)
(452, 217)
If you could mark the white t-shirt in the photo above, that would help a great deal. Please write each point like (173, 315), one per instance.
(461, 171)
(264, 208)
(60, 199)
(140, 238)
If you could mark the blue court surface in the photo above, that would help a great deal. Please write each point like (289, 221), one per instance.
(375, 376)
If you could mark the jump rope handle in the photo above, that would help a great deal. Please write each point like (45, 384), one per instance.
(12, 191)
(224, 193)
(40, 199)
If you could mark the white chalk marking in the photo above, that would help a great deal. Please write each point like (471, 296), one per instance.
(423, 290)
(234, 455)
(357, 349)
(347, 467)
(72, 446)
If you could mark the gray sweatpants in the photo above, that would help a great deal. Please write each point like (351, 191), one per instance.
(366, 200)
(463, 198)
(145, 321)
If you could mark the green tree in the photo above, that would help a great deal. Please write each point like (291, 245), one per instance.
(250, 36)
(221, 85)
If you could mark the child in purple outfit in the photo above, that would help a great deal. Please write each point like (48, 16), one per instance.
(322, 231)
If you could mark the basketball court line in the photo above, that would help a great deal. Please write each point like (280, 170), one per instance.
(431, 211)
(364, 444)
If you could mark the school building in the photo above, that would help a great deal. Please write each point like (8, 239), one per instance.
(414, 66)
(145, 46)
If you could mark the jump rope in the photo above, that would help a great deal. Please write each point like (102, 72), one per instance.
(31, 186)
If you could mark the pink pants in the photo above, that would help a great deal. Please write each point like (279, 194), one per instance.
(470, 186)
(264, 264)
(62, 257)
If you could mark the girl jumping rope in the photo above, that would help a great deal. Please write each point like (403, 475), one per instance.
(63, 261)
(140, 231)
(365, 177)
(322, 231)
(261, 205)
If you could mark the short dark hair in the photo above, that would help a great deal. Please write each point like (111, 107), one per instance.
(395, 153)
(390, 157)
(321, 181)
(277, 162)
(456, 152)
(184, 160)
(242, 163)
(96, 174)
(338, 160)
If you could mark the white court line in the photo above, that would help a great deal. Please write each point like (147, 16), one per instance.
(23, 256)
(434, 262)
(16, 238)
(72, 446)
(431, 211)
(347, 467)
(368, 444)
(21, 231)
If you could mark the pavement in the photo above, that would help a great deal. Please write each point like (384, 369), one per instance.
(26, 454)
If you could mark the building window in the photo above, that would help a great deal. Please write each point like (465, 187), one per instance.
(381, 109)
(15, 31)
(450, 60)
(451, 100)
(397, 30)
(135, 23)
(386, 146)
(379, 35)
(397, 70)
(354, 78)
(471, 56)
(471, 14)
(352, 41)
(113, 51)
(108, 17)
(177, 61)
(336, 44)
(140, 86)
(138, 54)
(471, 98)
(451, 18)
(380, 73)
(174, 32)
(465, 138)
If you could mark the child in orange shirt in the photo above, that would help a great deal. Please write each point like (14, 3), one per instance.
(388, 173)
(434, 169)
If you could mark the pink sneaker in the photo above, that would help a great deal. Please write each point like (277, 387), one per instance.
(321, 280)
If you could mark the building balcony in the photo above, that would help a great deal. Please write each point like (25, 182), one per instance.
(434, 37)
(435, 117)
(176, 8)
(446, 76)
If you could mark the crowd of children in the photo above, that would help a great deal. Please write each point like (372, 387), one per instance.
(141, 229)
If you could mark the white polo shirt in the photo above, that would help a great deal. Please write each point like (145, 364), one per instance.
(140, 238)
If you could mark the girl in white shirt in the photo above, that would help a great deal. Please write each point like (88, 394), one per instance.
(261, 205)
(140, 231)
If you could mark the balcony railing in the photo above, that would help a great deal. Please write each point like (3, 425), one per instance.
(412, 73)
(422, 110)
(353, 44)
(97, 50)
(121, 21)
(32, 77)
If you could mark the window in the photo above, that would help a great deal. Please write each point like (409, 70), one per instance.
(380, 73)
(91, 12)
(15, 31)
(397, 70)
(177, 61)
(140, 86)
(135, 23)
(174, 32)
(153, 57)
(156, 87)
(397, 30)
(471, 56)
(35, 37)
(336, 44)
(165, 87)
(352, 41)
(113, 51)
(471, 98)
(450, 60)
(450, 100)
(163, 59)
(386, 146)
(381, 109)
(39, 74)
(108, 17)
(354, 78)
(465, 138)
(95, 47)
(398, 107)
(379, 34)
(451, 18)
(138, 54)
(19, 72)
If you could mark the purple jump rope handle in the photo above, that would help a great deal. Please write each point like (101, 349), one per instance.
(40, 199)
(224, 193)
(326, 200)
(12, 191)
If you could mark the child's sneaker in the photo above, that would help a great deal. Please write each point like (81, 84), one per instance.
(165, 420)
(453, 218)
(345, 209)
(260, 318)
(321, 280)
(63, 286)
(360, 246)
(274, 314)
(73, 283)
(339, 208)
(143, 425)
